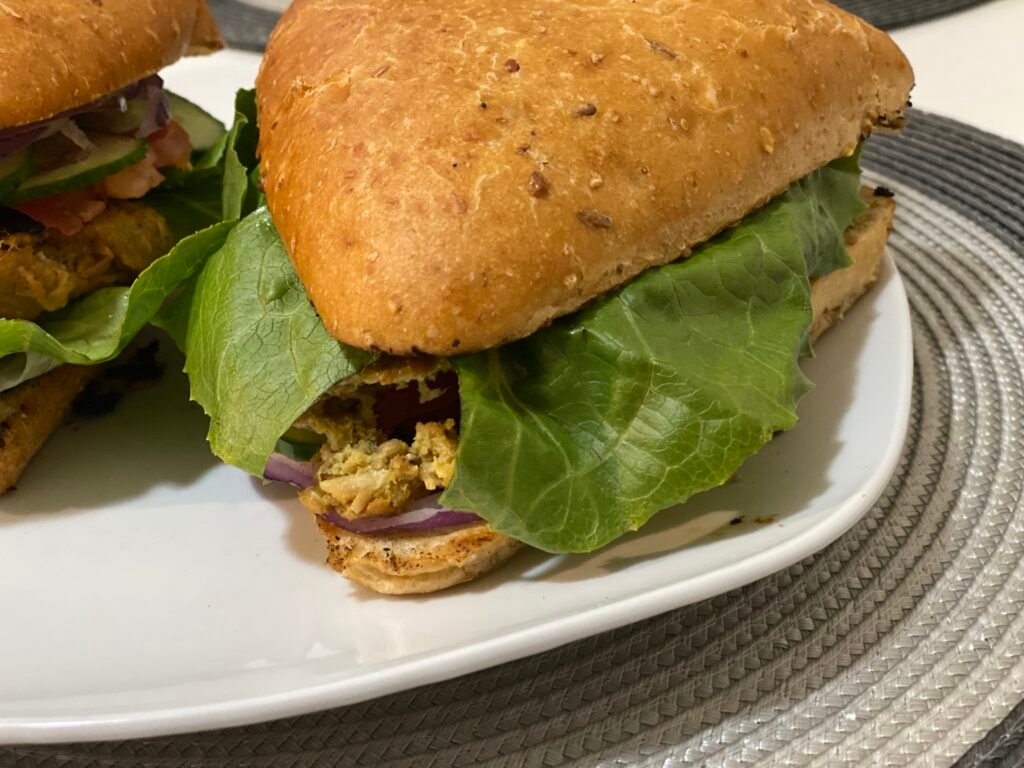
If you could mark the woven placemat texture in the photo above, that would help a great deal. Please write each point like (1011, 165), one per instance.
(1003, 747)
(901, 644)
(243, 25)
(892, 14)
(247, 26)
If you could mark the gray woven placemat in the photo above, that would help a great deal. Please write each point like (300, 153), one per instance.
(247, 26)
(243, 26)
(892, 14)
(900, 644)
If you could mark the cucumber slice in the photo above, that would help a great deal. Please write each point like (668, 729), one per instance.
(303, 436)
(296, 451)
(14, 170)
(299, 444)
(203, 129)
(110, 155)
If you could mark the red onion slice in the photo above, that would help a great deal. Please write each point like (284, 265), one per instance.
(423, 515)
(158, 113)
(151, 88)
(282, 469)
(14, 140)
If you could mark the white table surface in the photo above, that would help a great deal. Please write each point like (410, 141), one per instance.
(970, 66)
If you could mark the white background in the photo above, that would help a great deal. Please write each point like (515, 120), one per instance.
(971, 66)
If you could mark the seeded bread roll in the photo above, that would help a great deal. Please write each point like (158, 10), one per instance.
(450, 175)
(61, 54)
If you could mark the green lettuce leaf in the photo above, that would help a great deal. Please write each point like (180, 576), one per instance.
(257, 354)
(98, 327)
(190, 205)
(237, 194)
(241, 168)
(582, 431)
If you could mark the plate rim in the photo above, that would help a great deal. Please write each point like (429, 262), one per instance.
(427, 668)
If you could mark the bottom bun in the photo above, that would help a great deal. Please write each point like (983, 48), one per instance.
(30, 413)
(833, 294)
(417, 563)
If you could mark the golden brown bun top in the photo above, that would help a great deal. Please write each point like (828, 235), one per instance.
(448, 175)
(61, 54)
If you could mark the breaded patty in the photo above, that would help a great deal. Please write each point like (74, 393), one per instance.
(43, 271)
(375, 460)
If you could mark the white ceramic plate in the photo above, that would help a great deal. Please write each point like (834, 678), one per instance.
(145, 589)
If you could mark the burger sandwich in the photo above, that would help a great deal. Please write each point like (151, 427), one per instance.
(102, 173)
(527, 273)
